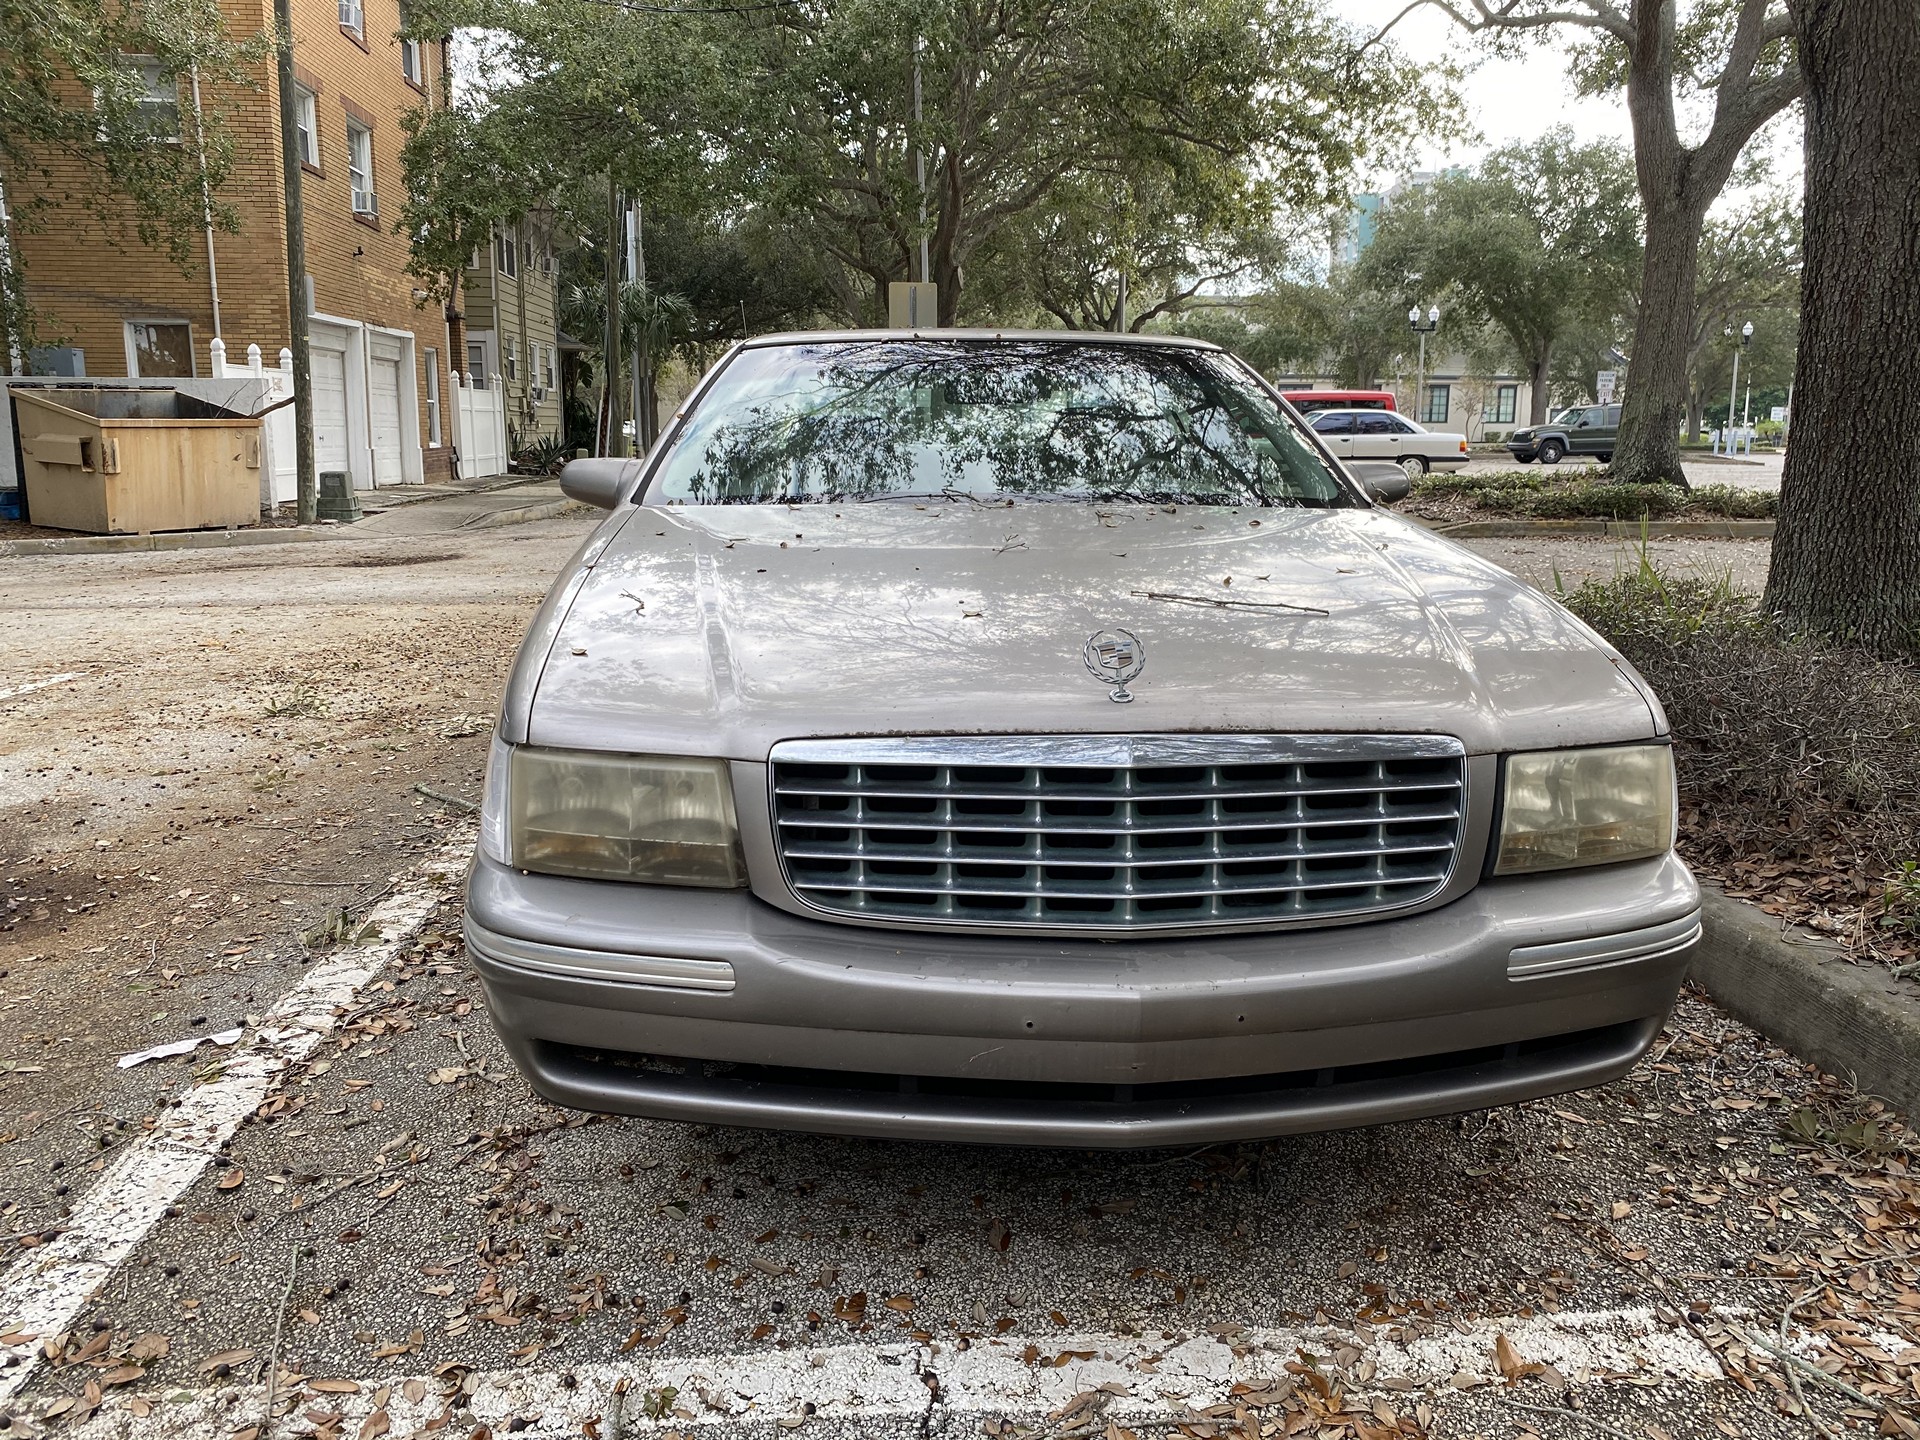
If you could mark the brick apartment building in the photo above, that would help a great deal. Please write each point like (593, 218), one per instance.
(380, 359)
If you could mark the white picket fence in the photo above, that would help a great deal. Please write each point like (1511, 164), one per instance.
(279, 480)
(479, 415)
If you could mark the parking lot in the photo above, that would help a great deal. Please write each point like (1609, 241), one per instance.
(229, 799)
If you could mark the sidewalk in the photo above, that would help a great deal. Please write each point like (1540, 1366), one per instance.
(398, 511)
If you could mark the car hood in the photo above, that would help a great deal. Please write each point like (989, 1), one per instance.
(723, 630)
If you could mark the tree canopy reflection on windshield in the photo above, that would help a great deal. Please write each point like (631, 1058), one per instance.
(838, 421)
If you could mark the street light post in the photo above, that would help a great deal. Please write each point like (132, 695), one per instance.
(1422, 330)
(1733, 390)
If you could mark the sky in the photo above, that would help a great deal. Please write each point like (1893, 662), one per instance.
(1507, 99)
(1512, 99)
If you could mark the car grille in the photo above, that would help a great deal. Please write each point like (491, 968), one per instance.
(1117, 833)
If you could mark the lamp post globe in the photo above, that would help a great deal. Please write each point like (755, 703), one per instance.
(1422, 330)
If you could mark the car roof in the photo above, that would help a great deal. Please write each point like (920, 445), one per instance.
(1358, 410)
(977, 336)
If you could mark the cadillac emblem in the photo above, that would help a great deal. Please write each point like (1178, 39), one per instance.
(1115, 656)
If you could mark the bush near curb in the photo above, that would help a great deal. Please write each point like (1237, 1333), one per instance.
(1538, 497)
(1799, 759)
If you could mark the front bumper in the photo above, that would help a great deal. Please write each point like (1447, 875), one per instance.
(615, 998)
(1522, 449)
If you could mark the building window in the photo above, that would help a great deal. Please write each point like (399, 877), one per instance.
(413, 60)
(159, 347)
(506, 255)
(156, 96)
(546, 259)
(1501, 406)
(360, 168)
(432, 362)
(353, 16)
(1433, 405)
(306, 119)
(476, 365)
(547, 375)
(510, 357)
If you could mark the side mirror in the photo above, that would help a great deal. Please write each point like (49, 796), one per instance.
(598, 481)
(1383, 480)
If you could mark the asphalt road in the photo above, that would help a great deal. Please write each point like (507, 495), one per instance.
(360, 1206)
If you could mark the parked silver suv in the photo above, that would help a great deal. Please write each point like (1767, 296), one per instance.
(1039, 739)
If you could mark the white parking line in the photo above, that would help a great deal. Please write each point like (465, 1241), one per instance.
(33, 685)
(1148, 1380)
(43, 1290)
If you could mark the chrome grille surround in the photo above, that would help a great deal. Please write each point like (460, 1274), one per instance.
(1117, 833)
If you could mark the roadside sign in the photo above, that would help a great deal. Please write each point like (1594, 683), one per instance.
(912, 306)
(1603, 386)
(1779, 414)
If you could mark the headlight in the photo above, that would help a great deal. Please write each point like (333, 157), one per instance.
(653, 819)
(1566, 808)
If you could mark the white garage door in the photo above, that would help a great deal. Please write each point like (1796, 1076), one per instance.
(385, 399)
(330, 410)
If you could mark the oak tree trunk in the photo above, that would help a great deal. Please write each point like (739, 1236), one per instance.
(1654, 406)
(1537, 382)
(1846, 560)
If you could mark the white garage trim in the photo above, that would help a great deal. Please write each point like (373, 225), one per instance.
(331, 450)
(382, 400)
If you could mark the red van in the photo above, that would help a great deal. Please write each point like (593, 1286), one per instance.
(1308, 401)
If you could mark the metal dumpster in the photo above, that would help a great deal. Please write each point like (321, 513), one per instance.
(126, 462)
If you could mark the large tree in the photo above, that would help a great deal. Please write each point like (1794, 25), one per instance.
(81, 127)
(1541, 241)
(1737, 53)
(1846, 560)
(1021, 96)
(1123, 250)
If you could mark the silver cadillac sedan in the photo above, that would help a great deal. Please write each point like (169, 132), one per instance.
(1039, 738)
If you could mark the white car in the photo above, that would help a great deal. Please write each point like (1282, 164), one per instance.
(1383, 435)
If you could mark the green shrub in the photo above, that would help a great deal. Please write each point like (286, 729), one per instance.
(1788, 747)
(1602, 501)
(1730, 502)
(1482, 488)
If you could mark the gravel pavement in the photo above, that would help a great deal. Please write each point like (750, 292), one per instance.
(361, 1204)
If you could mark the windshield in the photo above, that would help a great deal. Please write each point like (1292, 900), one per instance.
(974, 420)
(1571, 415)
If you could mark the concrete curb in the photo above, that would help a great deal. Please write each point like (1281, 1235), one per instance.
(1853, 1021)
(173, 540)
(1610, 529)
(283, 535)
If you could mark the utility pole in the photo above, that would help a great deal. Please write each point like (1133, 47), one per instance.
(611, 442)
(920, 158)
(308, 501)
(1120, 310)
(636, 265)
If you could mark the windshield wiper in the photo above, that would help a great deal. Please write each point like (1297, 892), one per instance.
(949, 493)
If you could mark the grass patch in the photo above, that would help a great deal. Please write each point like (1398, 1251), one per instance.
(1799, 760)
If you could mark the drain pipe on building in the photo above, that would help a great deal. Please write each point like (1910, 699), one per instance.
(206, 202)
